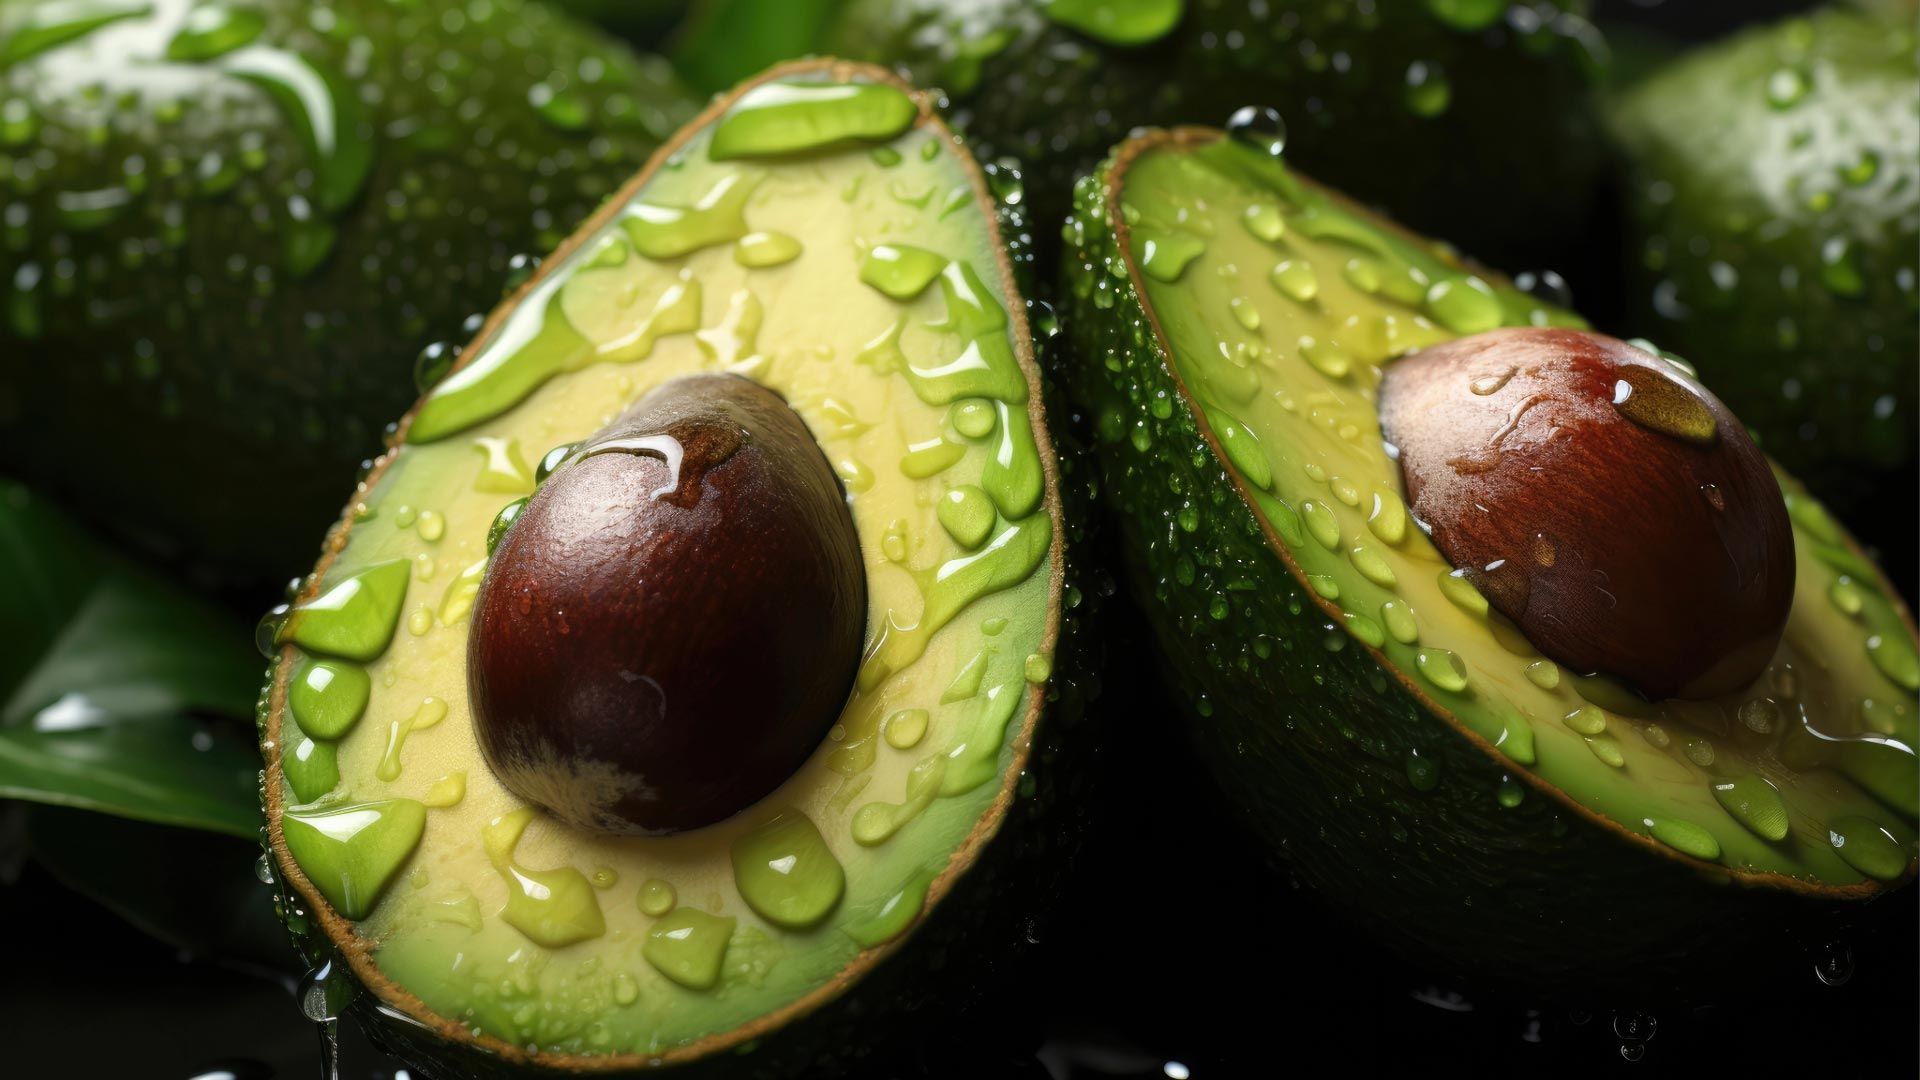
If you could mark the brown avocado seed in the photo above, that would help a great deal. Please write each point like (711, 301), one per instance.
(672, 623)
(1602, 499)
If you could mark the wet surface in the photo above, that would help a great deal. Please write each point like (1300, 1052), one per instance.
(1270, 979)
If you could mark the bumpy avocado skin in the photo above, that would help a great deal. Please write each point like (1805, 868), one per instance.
(1774, 188)
(1311, 741)
(981, 934)
(1359, 88)
(200, 361)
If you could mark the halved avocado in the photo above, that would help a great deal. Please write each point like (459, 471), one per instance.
(230, 228)
(1781, 249)
(808, 283)
(1405, 746)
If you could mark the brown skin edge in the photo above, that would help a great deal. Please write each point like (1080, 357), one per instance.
(358, 951)
(1187, 137)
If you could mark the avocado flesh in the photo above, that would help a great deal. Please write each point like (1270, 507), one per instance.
(1322, 639)
(1452, 93)
(229, 229)
(862, 279)
(1780, 249)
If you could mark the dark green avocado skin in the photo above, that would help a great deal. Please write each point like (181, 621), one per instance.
(206, 322)
(1505, 164)
(1773, 202)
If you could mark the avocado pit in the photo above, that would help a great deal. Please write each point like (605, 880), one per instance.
(673, 621)
(1602, 499)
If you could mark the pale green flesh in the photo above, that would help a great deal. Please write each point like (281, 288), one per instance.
(456, 927)
(1298, 423)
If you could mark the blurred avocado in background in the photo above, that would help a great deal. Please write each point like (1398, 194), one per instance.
(1466, 117)
(228, 230)
(1772, 188)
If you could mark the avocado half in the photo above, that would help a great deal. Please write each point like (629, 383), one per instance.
(1402, 744)
(1407, 104)
(820, 232)
(219, 220)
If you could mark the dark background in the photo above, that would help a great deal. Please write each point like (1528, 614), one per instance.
(1267, 980)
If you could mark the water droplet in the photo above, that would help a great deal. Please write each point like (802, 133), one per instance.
(688, 946)
(1754, 803)
(1427, 92)
(1510, 792)
(1684, 837)
(761, 250)
(1244, 312)
(1295, 280)
(266, 632)
(502, 521)
(1321, 524)
(1326, 357)
(1587, 720)
(1259, 127)
(1649, 398)
(1544, 285)
(1786, 87)
(1263, 220)
(905, 728)
(1894, 655)
(1833, 966)
(1463, 305)
(1400, 622)
(786, 873)
(1441, 668)
(1373, 566)
(1165, 256)
(1868, 848)
(433, 364)
(1456, 588)
(1422, 773)
(1635, 1027)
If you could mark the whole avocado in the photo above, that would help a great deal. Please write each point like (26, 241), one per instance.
(229, 230)
(1410, 104)
(1774, 204)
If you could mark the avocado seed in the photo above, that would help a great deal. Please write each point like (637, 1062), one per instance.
(673, 622)
(1600, 498)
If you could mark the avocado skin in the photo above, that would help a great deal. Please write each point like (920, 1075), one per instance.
(1057, 100)
(981, 935)
(1310, 743)
(1831, 382)
(201, 398)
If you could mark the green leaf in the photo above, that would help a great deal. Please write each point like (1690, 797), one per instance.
(107, 680)
(724, 41)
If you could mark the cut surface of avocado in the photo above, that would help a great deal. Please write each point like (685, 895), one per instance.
(1276, 305)
(844, 254)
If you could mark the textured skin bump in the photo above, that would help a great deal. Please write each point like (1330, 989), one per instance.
(1617, 547)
